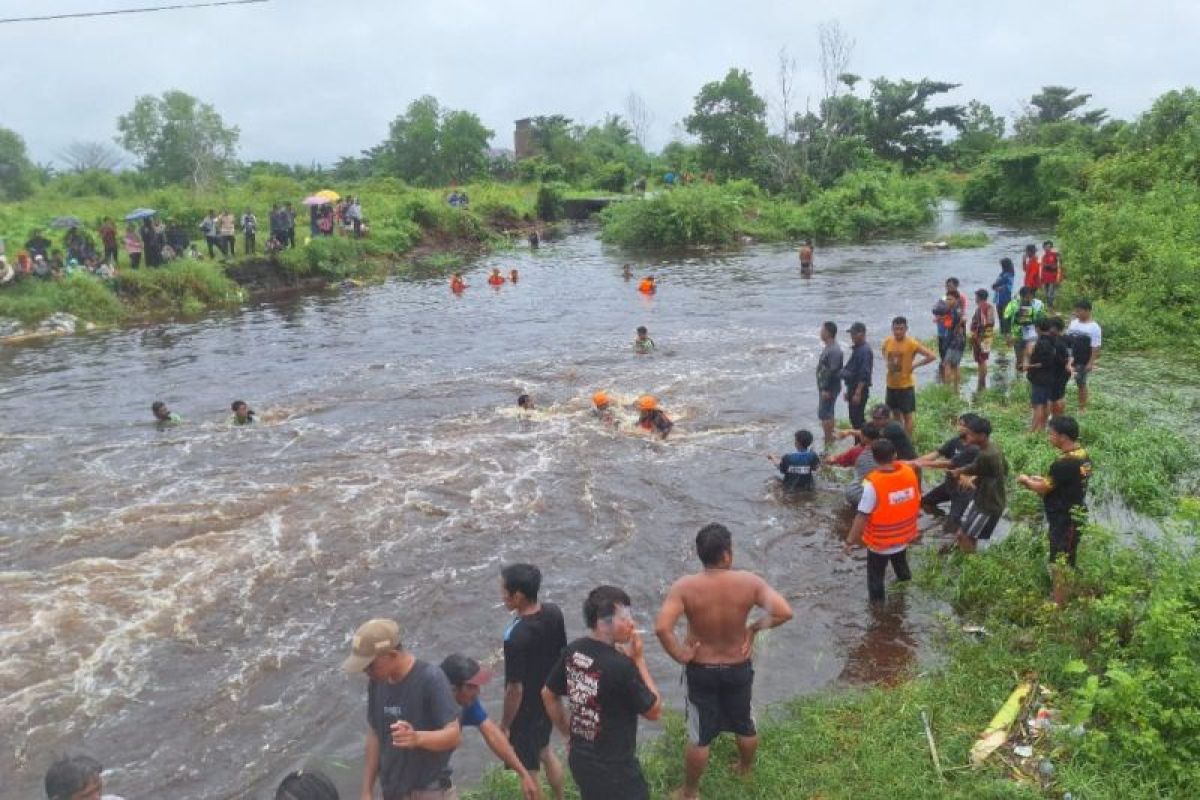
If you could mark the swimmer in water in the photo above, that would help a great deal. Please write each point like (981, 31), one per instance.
(653, 419)
(495, 279)
(457, 284)
(164, 415)
(643, 344)
(525, 402)
(242, 413)
(602, 407)
(513, 276)
(627, 272)
(647, 285)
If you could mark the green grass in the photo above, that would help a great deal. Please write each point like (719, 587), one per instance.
(962, 241)
(1123, 657)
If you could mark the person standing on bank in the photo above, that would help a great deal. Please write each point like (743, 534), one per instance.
(829, 380)
(249, 232)
(533, 641)
(1085, 338)
(886, 521)
(605, 678)
(411, 715)
(900, 351)
(466, 679)
(856, 375)
(717, 649)
(1064, 497)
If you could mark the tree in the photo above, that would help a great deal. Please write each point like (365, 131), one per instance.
(640, 118)
(1054, 116)
(92, 156)
(463, 143)
(981, 133)
(778, 153)
(902, 127)
(179, 139)
(16, 171)
(411, 149)
(730, 121)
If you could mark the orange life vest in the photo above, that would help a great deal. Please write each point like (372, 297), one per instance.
(646, 287)
(1050, 267)
(893, 523)
(495, 280)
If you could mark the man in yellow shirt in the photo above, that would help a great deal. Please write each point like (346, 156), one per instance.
(899, 353)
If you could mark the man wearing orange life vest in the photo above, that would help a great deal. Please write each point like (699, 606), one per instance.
(1051, 272)
(647, 285)
(457, 284)
(495, 279)
(886, 521)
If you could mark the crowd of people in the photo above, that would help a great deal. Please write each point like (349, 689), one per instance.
(593, 689)
(153, 242)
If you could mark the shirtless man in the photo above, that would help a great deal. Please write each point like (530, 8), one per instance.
(806, 257)
(717, 648)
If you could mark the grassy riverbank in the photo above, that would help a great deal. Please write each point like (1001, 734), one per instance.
(1123, 657)
(407, 225)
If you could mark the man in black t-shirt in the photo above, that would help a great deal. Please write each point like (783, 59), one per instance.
(1064, 494)
(955, 453)
(533, 642)
(1039, 369)
(412, 717)
(605, 678)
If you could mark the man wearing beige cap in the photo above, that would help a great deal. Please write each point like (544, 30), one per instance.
(412, 716)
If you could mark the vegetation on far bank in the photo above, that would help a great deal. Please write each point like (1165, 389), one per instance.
(1123, 657)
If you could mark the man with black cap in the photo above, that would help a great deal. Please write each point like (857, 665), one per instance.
(412, 716)
(466, 677)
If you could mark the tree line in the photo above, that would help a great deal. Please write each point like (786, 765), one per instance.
(735, 131)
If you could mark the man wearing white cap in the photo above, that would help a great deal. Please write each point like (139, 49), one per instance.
(412, 716)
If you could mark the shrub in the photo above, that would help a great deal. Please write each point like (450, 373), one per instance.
(550, 201)
(182, 287)
(683, 217)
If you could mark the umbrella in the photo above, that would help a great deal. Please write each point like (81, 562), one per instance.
(329, 194)
(315, 200)
(67, 222)
(140, 213)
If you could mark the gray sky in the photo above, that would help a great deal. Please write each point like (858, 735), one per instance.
(306, 80)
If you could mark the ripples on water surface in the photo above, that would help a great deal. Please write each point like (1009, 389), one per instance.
(177, 603)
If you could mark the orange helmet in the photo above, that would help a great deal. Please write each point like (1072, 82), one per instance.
(647, 402)
(600, 399)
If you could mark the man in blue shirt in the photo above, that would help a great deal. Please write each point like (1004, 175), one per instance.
(466, 677)
(798, 468)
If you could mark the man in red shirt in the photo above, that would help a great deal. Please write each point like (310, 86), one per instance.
(1051, 271)
(1032, 267)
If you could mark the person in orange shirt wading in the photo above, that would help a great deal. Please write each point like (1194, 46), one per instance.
(886, 521)
(899, 352)
(647, 285)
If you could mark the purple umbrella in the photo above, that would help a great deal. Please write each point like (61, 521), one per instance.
(315, 201)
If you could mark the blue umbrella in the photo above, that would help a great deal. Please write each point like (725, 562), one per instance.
(140, 213)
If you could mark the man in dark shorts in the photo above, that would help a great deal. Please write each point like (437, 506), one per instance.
(1039, 369)
(716, 654)
(411, 715)
(1061, 367)
(829, 380)
(466, 679)
(899, 353)
(806, 258)
(605, 678)
(985, 476)
(1064, 496)
(533, 641)
(955, 453)
(856, 375)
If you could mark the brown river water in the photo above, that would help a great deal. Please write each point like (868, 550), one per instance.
(176, 603)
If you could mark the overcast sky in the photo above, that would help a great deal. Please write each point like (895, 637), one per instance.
(312, 80)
